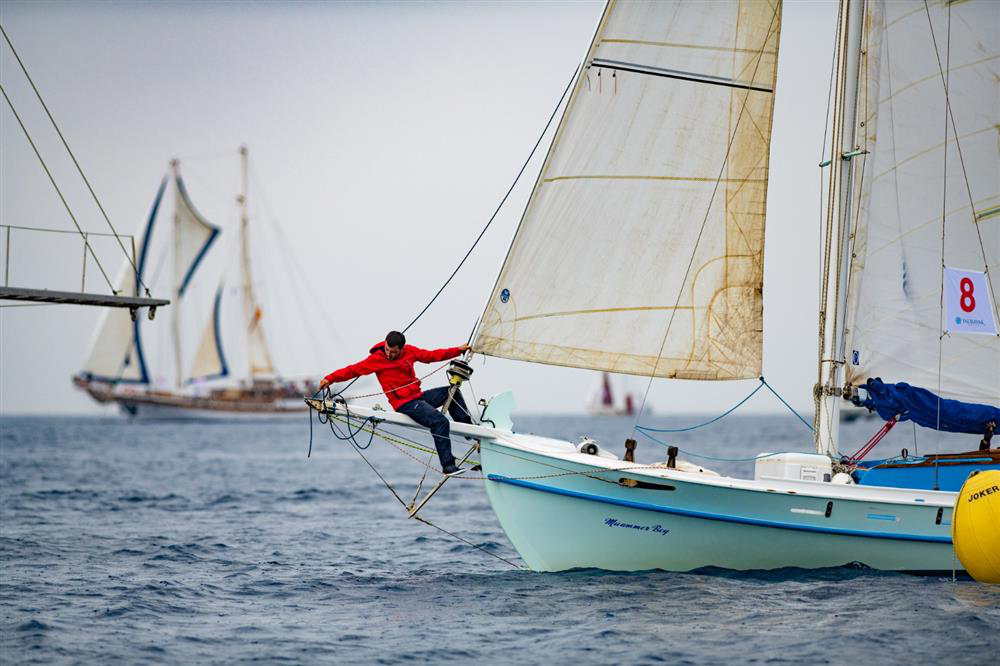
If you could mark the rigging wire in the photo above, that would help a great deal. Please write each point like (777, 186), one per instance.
(946, 76)
(704, 222)
(949, 115)
(52, 180)
(75, 163)
(517, 178)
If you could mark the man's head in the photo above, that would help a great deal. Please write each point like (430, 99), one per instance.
(394, 345)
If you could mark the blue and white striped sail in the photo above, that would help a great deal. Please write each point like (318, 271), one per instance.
(641, 247)
(209, 358)
(929, 193)
(116, 354)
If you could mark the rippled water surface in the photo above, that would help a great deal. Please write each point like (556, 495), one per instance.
(222, 543)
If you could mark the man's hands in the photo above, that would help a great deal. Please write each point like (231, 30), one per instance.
(465, 348)
(323, 384)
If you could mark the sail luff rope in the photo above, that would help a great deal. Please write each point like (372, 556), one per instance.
(578, 75)
(79, 169)
(52, 180)
(517, 179)
(704, 222)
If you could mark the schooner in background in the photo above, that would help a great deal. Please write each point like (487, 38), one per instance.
(186, 370)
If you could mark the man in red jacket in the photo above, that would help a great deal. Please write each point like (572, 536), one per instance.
(392, 362)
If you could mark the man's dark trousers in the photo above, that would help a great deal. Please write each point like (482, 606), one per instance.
(424, 411)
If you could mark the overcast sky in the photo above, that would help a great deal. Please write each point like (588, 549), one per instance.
(382, 136)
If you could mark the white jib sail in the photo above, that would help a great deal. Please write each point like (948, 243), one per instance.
(114, 355)
(911, 178)
(209, 360)
(641, 248)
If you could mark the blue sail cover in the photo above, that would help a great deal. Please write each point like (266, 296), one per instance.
(921, 406)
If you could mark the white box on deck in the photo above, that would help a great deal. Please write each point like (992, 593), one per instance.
(794, 466)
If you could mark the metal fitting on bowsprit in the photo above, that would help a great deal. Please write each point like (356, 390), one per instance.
(458, 372)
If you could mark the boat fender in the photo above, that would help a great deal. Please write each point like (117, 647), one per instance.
(589, 447)
(975, 526)
(842, 478)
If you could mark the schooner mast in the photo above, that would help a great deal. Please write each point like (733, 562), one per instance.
(258, 354)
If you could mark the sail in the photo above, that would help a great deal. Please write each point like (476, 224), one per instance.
(641, 248)
(116, 354)
(193, 235)
(911, 178)
(209, 359)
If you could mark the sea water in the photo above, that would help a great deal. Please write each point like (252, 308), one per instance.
(130, 542)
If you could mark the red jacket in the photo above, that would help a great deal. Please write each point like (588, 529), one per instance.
(397, 377)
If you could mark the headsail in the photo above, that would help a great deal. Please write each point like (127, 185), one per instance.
(911, 178)
(641, 248)
(193, 235)
(209, 359)
(116, 354)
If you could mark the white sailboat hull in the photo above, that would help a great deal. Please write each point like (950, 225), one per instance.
(680, 521)
(562, 509)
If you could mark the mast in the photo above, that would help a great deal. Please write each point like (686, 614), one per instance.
(836, 258)
(258, 355)
(175, 168)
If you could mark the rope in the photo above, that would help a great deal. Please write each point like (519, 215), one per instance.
(378, 393)
(517, 230)
(949, 115)
(389, 487)
(871, 443)
(52, 180)
(763, 383)
(75, 163)
(702, 425)
(497, 211)
(785, 403)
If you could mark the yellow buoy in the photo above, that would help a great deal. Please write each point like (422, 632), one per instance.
(975, 526)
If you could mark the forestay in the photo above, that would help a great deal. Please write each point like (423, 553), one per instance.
(641, 247)
(909, 180)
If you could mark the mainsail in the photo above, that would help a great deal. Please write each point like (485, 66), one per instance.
(116, 354)
(929, 196)
(641, 247)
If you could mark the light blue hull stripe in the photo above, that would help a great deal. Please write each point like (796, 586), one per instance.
(715, 516)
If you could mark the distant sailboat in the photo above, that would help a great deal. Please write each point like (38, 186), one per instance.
(605, 402)
(195, 380)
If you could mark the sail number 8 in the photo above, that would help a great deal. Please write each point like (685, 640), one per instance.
(967, 301)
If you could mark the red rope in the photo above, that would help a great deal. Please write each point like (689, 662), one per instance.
(876, 438)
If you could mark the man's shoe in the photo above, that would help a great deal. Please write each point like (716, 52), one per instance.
(453, 470)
